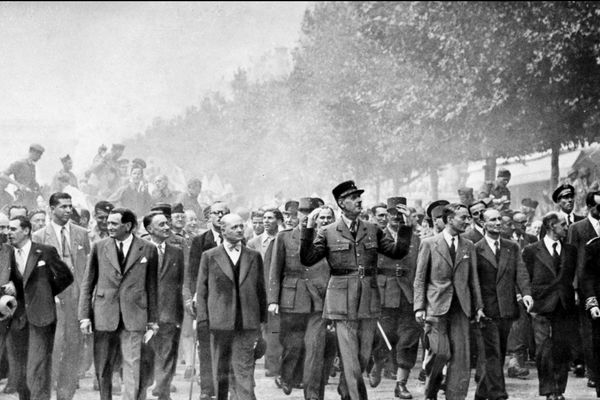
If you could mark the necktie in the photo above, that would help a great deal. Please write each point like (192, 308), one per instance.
(66, 249)
(452, 251)
(497, 246)
(568, 219)
(20, 261)
(120, 254)
(161, 254)
(220, 238)
(555, 257)
(353, 228)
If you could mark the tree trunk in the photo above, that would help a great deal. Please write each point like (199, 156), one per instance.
(554, 171)
(489, 169)
(433, 183)
(377, 190)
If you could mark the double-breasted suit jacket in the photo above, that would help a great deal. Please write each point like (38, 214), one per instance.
(580, 233)
(219, 295)
(170, 282)
(498, 280)
(108, 294)
(352, 292)
(201, 243)
(437, 279)
(295, 287)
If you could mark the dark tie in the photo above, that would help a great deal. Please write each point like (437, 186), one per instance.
(497, 246)
(353, 229)
(568, 219)
(66, 250)
(220, 238)
(120, 254)
(161, 255)
(452, 251)
(555, 257)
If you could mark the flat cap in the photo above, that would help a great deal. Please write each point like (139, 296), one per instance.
(563, 190)
(138, 162)
(503, 173)
(345, 189)
(177, 208)
(37, 147)
(103, 205)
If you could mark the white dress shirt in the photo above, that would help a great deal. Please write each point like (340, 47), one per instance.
(216, 236)
(448, 237)
(126, 245)
(492, 243)
(549, 243)
(57, 230)
(233, 251)
(595, 224)
(21, 256)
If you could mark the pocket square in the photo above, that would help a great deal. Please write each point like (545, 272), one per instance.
(41, 263)
(465, 256)
(143, 260)
(79, 247)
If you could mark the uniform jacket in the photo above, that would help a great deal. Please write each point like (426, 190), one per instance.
(79, 245)
(295, 287)
(498, 281)
(170, 283)
(547, 287)
(392, 287)
(217, 298)
(201, 243)
(438, 279)
(580, 233)
(255, 244)
(45, 276)
(107, 294)
(352, 296)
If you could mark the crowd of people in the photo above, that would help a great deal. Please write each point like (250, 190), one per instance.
(151, 278)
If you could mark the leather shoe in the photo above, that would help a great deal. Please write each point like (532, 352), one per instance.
(591, 383)
(517, 372)
(579, 371)
(287, 389)
(422, 376)
(375, 377)
(189, 372)
(401, 392)
(559, 396)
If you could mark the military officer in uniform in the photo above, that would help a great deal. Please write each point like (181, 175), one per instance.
(297, 292)
(352, 299)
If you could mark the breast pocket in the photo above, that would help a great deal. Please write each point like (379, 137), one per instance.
(288, 292)
(336, 300)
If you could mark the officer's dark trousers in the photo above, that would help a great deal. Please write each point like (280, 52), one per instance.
(554, 347)
(495, 336)
(303, 334)
(205, 360)
(447, 343)
(355, 341)
(271, 335)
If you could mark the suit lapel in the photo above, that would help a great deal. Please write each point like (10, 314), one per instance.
(135, 250)
(245, 264)
(110, 252)
(32, 259)
(343, 229)
(461, 251)
(225, 262)
(544, 256)
(51, 238)
(165, 262)
(504, 257)
(487, 253)
(589, 229)
(442, 248)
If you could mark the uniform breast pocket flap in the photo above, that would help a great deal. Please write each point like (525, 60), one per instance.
(288, 292)
(339, 247)
(371, 245)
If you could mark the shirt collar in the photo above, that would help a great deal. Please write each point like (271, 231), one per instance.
(593, 220)
(26, 247)
(448, 237)
(348, 221)
(549, 244)
(492, 242)
(478, 229)
(266, 237)
(229, 248)
(58, 228)
(215, 233)
(127, 241)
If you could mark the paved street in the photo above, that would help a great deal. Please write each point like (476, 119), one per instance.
(266, 389)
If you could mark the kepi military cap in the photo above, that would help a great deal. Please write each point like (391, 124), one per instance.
(392, 202)
(291, 206)
(138, 162)
(308, 204)
(104, 205)
(345, 189)
(163, 208)
(465, 191)
(561, 191)
(435, 209)
(65, 158)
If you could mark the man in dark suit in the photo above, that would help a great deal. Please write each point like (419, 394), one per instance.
(232, 304)
(296, 292)
(446, 291)
(201, 243)
(118, 301)
(590, 288)
(551, 266)
(73, 246)
(40, 275)
(352, 300)
(395, 280)
(475, 232)
(159, 357)
(263, 243)
(501, 271)
(580, 233)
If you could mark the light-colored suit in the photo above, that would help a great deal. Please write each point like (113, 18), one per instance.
(120, 301)
(449, 292)
(68, 340)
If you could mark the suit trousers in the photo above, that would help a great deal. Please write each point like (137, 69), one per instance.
(595, 343)
(584, 345)
(447, 343)
(205, 359)
(233, 363)
(403, 332)
(271, 335)
(355, 341)
(68, 347)
(554, 349)
(159, 360)
(520, 338)
(106, 344)
(32, 347)
(303, 334)
(495, 336)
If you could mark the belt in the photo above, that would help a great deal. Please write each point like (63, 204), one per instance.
(360, 271)
(397, 272)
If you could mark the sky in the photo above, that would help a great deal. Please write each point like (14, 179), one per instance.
(77, 75)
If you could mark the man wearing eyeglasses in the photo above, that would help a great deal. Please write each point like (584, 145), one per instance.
(201, 243)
